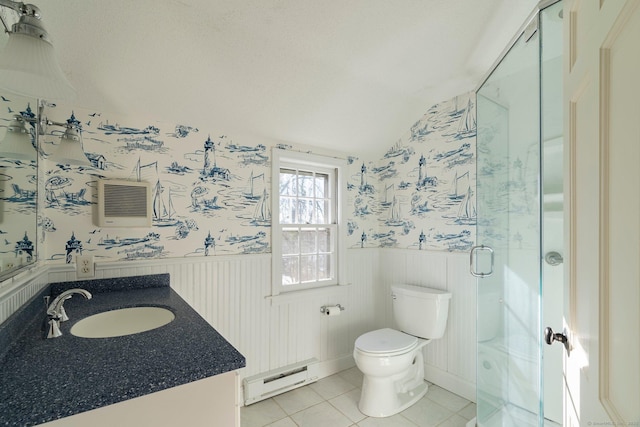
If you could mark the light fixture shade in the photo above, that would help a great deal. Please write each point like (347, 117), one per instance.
(16, 144)
(28, 65)
(70, 151)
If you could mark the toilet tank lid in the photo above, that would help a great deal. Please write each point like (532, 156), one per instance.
(421, 291)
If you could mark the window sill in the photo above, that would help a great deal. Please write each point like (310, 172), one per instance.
(286, 297)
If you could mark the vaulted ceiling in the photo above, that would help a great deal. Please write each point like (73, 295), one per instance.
(348, 75)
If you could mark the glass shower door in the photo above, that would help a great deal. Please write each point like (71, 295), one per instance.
(508, 207)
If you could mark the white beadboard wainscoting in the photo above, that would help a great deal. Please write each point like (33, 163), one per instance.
(233, 294)
(15, 292)
(450, 361)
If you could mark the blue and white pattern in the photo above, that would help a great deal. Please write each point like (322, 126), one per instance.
(18, 188)
(422, 192)
(211, 194)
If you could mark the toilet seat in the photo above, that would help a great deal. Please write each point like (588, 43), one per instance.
(385, 342)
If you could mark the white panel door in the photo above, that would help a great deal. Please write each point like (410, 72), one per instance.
(602, 170)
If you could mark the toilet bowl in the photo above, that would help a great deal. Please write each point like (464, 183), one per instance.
(390, 360)
(393, 368)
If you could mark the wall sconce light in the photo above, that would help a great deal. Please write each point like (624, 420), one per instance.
(70, 150)
(28, 64)
(17, 141)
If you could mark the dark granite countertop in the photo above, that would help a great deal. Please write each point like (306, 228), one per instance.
(47, 379)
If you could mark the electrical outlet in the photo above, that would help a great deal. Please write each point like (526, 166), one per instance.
(9, 263)
(85, 268)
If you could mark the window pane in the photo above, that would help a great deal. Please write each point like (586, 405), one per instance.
(305, 184)
(287, 210)
(308, 241)
(324, 267)
(321, 211)
(324, 240)
(308, 268)
(305, 212)
(288, 182)
(290, 242)
(322, 186)
(290, 270)
(308, 232)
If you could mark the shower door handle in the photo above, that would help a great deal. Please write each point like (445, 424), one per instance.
(472, 254)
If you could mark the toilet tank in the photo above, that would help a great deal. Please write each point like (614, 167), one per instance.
(420, 311)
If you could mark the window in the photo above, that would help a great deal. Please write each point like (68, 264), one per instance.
(307, 228)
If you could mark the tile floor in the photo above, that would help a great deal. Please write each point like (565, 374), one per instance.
(333, 402)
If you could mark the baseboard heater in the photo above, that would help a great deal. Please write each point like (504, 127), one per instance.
(265, 385)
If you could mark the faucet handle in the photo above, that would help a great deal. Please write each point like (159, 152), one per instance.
(62, 314)
(54, 328)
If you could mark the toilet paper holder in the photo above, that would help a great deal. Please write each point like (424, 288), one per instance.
(325, 308)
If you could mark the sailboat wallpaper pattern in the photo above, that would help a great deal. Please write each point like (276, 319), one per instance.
(211, 192)
(424, 196)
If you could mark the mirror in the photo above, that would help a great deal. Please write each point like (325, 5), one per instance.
(18, 183)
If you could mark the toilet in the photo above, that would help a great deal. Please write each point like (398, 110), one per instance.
(391, 360)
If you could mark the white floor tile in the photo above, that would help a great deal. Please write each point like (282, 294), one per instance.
(348, 404)
(261, 414)
(333, 402)
(298, 399)
(454, 421)
(331, 387)
(285, 422)
(352, 375)
(445, 398)
(426, 413)
(321, 415)
(469, 411)
(392, 421)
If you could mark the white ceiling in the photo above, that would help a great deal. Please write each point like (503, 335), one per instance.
(347, 75)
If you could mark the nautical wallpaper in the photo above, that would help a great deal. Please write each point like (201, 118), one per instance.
(211, 191)
(422, 192)
(18, 184)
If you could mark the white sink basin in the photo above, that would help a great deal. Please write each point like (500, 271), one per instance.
(124, 321)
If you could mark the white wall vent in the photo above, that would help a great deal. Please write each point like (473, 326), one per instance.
(263, 386)
(124, 203)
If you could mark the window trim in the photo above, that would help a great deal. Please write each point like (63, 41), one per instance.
(280, 157)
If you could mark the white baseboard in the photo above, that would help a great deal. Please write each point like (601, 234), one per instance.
(333, 366)
(450, 382)
(325, 368)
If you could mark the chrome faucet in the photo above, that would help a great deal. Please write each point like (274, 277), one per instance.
(57, 313)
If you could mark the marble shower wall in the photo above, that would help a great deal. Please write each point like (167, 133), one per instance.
(211, 191)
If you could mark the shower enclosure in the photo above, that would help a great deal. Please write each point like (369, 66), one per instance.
(519, 224)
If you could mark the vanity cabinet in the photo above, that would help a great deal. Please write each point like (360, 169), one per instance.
(183, 373)
(211, 401)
